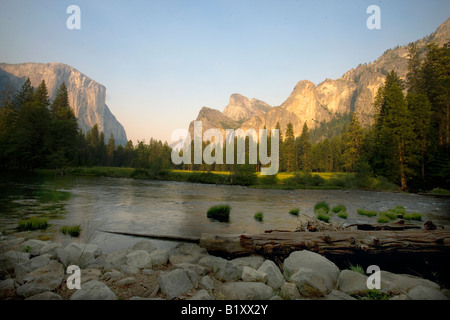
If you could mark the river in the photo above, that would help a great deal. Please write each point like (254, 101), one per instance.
(176, 208)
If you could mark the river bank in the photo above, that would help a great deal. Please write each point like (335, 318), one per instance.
(36, 270)
(281, 181)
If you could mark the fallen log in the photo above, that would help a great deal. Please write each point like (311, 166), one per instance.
(350, 242)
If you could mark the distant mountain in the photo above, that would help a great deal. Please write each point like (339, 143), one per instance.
(354, 91)
(86, 96)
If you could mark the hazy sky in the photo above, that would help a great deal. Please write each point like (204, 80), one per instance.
(161, 61)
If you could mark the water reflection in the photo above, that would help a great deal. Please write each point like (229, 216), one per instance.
(173, 208)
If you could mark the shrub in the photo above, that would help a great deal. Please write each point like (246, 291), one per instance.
(269, 180)
(219, 212)
(368, 213)
(32, 224)
(306, 179)
(258, 216)
(73, 231)
(294, 212)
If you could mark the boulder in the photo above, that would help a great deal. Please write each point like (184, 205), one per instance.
(198, 269)
(94, 290)
(159, 258)
(9, 260)
(126, 269)
(90, 274)
(274, 277)
(22, 269)
(222, 268)
(426, 293)
(246, 291)
(7, 288)
(46, 278)
(50, 249)
(310, 260)
(32, 246)
(175, 283)
(229, 272)
(212, 263)
(251, 275)
(207, 283)
(116, 259)
(289, 291)
(251, 261)
(139, 259)
(186, 253)
(393, 283)
(81, 254)
(352, 283)
(146, 245)
(310, 283)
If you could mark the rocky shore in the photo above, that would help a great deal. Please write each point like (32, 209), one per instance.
(37, 270)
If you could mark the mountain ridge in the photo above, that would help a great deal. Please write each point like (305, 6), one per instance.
(354, 91)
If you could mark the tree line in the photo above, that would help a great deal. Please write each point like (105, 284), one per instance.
(408, 143)
(37, 133)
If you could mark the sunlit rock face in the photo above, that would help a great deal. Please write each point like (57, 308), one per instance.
(86, 96)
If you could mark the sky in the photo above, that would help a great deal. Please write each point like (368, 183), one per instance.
(162, 61)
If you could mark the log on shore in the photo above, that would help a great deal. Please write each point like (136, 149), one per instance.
(350, 242)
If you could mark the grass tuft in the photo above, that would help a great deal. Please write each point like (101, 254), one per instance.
(219, 212)
(259, 216)
(32, 224)
(73, 231)
(368, 213)
(294, 212)
(322, 206)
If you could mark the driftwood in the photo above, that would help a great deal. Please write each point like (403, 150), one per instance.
(351, 242)
(367, 239)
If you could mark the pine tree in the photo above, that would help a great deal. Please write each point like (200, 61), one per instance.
(31, 139)
(420, 114)
(41, 95)
(64, 130)
(353, 138)
(110, 150)
(304, 150)
(414, 78)
(25, 94)
(395, 138)
(282, 154)
(289, 148)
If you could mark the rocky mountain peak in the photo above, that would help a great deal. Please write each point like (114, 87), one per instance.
(240, 108)
(353, 92)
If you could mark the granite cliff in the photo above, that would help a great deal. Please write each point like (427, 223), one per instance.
(86, 96)
(313, 104)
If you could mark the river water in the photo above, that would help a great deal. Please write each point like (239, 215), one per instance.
(175, 208)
